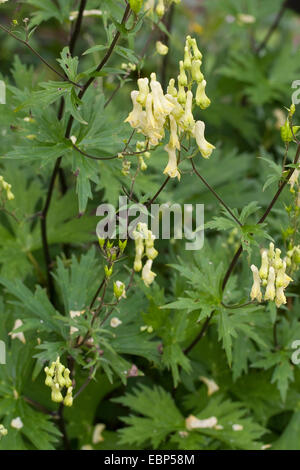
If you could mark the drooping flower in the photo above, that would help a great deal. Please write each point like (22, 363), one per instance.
(20, 336)
(161, 48)
(201, 99)
(17, 423)
(194, 423)
(148, 276)
(171, 168)
(255, 291)
(205, 147)
(270, 289)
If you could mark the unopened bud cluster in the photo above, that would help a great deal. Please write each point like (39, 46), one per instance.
(130, 67)
(4, 186)
(154, 112)
(293, 259)
(58, 378)
(144, 245)
(271, 275)
(160, 6)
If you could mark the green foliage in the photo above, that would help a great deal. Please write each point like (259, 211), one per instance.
(192, 345)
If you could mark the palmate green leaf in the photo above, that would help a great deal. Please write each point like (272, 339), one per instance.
(160, 416)
(68, 63)
(283, 372)
(221, 223)
(47, 10)
(86, 172)
(230, 325)
(37, 433)
(52, 91)
(37, 304)
(73, 104)
(78, 281)
(289, 440)
(229, 413)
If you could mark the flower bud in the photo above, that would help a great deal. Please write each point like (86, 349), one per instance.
(119, 290)
(171, 90)
(197, 75)
(147, 275)
(56, 395)
(201, 99)
(108, 271)
(160, 9)
(143, 90)
(68, 400)
(197, 54)
(182, 78)
(161, 48)
(263, 272)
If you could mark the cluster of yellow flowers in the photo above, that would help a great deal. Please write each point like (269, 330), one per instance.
(293, 258)
(161, 6)
(58, 377)
(142, 152)
(272, 275)
(153, 111)
(144, 242)
(3, 431)
(7, 188)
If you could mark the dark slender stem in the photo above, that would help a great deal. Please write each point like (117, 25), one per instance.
(215, 194)
(45, 243)
(273, 27)
(77, 27)
(62, 427)
(96, 294)
(108, 53)
(166, 40)
(92, 157)
(39, 407)
(158, 192)
(200, 334)
(58, 161)
(65, 79)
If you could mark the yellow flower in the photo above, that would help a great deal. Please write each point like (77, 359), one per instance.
(148, 276)
(205, 147)
(255, 291)
(161, 48)
(171, 168)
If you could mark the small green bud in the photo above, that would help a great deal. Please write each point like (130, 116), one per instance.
(122, 245)
(101, 242)
(292, 110)
(119, 290)
(136, 5)
(108, 271)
